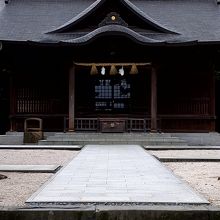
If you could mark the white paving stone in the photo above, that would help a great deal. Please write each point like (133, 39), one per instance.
(116, 173)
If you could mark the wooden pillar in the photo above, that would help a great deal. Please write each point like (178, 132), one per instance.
(12, 104)
(212, 98)
(153, 99)
(72, 99)
(212, 93)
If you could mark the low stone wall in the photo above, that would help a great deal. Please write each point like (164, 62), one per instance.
(116, 213)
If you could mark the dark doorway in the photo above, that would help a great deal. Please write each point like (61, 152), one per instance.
(113, 95)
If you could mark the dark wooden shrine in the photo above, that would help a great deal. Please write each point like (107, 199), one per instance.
(49, 76)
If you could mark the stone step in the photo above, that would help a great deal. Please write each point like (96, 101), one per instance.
(202, 139)
(208, 134)
(69, 134)
(84, 142)
(114, 139)
(11, 139)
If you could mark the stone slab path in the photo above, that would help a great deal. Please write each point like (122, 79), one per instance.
(29, 168)
(115, 174)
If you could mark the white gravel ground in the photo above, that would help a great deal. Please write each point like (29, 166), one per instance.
(18, 187)
(36, 157)
(202, 176)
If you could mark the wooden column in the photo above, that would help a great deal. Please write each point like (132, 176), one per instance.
(12, 103)
(212, 98)
(72, 99)
(153, 99)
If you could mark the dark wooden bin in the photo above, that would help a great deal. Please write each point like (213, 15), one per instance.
(112, 125)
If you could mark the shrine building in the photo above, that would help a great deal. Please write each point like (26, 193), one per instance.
(110, 65)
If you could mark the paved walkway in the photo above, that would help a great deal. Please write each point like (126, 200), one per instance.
(115, 174)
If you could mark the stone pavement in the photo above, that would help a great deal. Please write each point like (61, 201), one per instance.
(30, 168)
(115, 174)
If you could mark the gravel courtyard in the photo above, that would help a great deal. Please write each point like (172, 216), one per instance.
(204, 177)
(18, 187)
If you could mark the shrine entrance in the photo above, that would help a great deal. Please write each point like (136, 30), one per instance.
(111, 94)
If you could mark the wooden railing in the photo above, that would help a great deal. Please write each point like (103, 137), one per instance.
(93, 124)
(86, 124)
(165, 123)
(138, 124)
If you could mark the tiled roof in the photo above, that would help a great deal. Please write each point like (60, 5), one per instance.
(31, 20)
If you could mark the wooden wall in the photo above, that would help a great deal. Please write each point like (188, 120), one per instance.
(186, 94)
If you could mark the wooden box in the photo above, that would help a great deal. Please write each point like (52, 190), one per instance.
(112, 125)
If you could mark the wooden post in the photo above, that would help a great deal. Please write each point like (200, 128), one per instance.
(12, 103)
(153, 99)
(212, 92)
(72, 99)
(212, 98)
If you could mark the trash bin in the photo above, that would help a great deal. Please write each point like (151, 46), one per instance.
(33, 130)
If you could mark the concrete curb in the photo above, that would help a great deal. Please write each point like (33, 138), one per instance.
(185, 159)
(114, 213)
(40, 147)
(30, 168)
(160, 148)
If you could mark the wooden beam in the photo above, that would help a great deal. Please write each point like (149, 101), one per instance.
(72, 98)
(153, 99)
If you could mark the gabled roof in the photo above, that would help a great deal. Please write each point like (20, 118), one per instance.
(99, 7)
(148, 21)
(104, 17)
